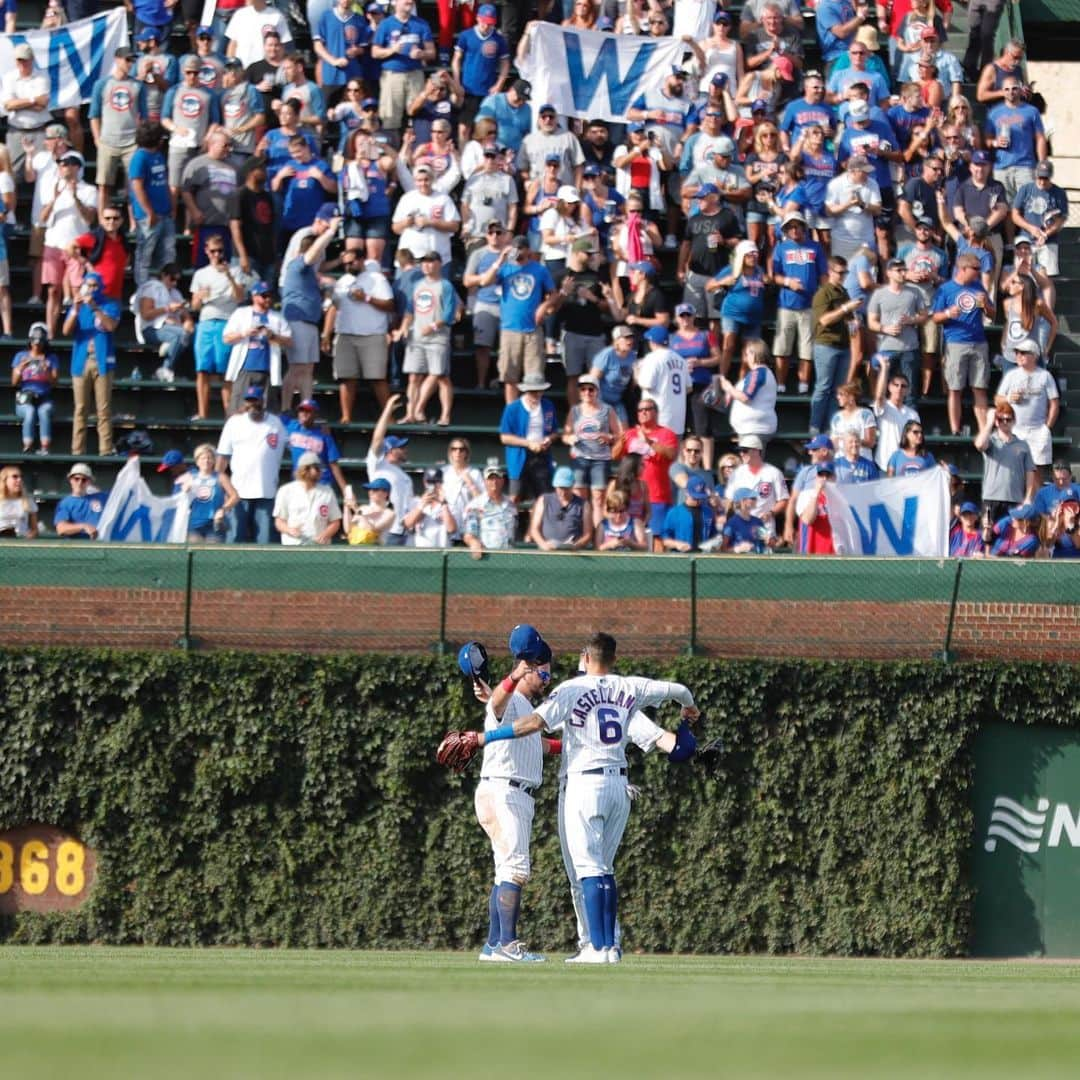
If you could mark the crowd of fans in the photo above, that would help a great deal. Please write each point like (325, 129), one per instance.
(857, 209)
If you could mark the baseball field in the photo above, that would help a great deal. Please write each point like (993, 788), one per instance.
(155, 1013)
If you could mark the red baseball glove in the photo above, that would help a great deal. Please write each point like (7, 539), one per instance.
(457, 749)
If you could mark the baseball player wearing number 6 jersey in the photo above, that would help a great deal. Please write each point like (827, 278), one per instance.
(598, 715)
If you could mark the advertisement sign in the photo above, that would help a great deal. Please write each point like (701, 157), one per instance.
(1026, 857)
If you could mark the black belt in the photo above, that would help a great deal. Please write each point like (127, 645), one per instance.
(30, 131)
(527, 788)
(599, 772)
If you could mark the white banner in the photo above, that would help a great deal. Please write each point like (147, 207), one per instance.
(585, 73)
(72, 57)
(694, 18)
(906, 515)
(134, 515)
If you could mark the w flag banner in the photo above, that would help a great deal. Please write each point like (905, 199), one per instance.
(586, 74)
(907, 515)
(72, 57)
(134, 515)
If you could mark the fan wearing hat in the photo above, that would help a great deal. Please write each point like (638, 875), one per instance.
(117, 106)
(592, 428)
(852, 203)
(92, 320)
(1060, 487)
(820, 450)
(156, 68)
(308, 433)
(490, 195)
(584, 312)
(242, 113)
(709, 238)
(813, 510)
(766, 480)
(743, 533)
(305, 510)
(512, 112)
(429, 519)
(528, 430)
(256, 336)
(425, 219)
(743, 307)
(1041, 209)
(212, 64)
(480, 64)
(690, 523)
(1063, 535)
(982, 196)
(527, 286)
(370, 523)
(561, 520)
(404, 43)
(77, 515)
(385, 459)
(430, 311)
(799, 266)
(484, 301)
(1033, 393)
(34, 371)
(965, 533)
(490, 518)
(1016, 535)
(24, 93)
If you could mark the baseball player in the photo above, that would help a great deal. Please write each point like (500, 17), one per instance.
(510, 773)
(598, 715)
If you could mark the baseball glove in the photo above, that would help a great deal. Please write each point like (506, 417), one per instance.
(457, 749)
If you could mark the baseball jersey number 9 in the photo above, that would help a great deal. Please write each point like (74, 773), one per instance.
(610, 728)
(676, 383)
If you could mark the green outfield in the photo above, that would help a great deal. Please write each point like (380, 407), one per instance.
(110, 1012)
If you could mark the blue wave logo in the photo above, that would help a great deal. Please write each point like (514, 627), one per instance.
(1017, 825)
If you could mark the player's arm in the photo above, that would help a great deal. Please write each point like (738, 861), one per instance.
(527, 725)
(504, 691)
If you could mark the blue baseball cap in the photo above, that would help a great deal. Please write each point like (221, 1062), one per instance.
(170, 461)
(697, 488)
(744, 493)
(656, 334)
(148, 33)
(819, 442)
(553, 159)
(254, 393)
(721, 16)
(260, 288)
(635, 125)
(644, 266)
(564, 477)
(969, 508)
(369, 103)
(308, 403)
(1027, 512)
(327, 211)
(705, 189)
(525, 642)
(547, 107)
(592, 169)
(93, 278)
(472, 659)
(204, 31)
(380, 483)
(826, 468)
(395, 442)
(487, 11)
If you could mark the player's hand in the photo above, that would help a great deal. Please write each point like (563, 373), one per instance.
(481, 691)
(690, 713)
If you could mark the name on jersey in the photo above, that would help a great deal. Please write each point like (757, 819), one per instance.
(601, 695)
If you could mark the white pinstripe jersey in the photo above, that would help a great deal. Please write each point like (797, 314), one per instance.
(599, 715)
(513, 759)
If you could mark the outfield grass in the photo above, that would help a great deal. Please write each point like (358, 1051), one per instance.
(118, 1013)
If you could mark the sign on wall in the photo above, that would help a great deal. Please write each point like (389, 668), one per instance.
(44, 869)
(1026, 858)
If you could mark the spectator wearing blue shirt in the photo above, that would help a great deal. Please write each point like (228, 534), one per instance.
(857, 71)
(1014, 129)
(959, 307)
(836, 22)
(852, 466)
(480, 64)
(804, 112)
(303, 183)
(404, 43)
(526, 287)
(77, 515)
(911, 456)
(799, 266)
(308, 434)
(690, 523)
(613, 369)
(151, 202)
(874, 139)
(512, 114)
(340, 40)
(744, 533)
(1060, 489)
(974, 239)
(1041, 209)
(528, 430)
(301, 304)
(91, 321)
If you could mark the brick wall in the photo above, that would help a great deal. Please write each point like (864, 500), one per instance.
(341, 621)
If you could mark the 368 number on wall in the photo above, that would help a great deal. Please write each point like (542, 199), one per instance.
(43, 869)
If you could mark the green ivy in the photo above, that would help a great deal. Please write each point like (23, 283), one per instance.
(293, 800)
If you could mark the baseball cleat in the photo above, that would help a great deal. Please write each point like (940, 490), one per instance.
(515, 953)
(614, 955)
(487, 953)
(589, 955)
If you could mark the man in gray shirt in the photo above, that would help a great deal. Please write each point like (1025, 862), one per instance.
(895, 312)
(550, 139)
(490, 195)
(211, 191)
(1009, 473)
(117, 106)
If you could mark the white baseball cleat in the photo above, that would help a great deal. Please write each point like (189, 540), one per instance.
(614, 955)
(515, 953)
(588, 955)
(487, 953)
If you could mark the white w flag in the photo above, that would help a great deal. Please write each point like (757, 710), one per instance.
(586, 73)
(72, 57)
(905, 515)
(134, 515)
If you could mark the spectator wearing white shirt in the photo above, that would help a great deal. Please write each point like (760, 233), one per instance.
(356, 325)
(765, 480)
(430, 519)
(305, 511)
(41, 169)
(257, 336)
(68, 213)
(664, 378)
(890, 410)
(1033, 393)
(248, 462)
(384, 461)
(852, 201)
(425, 220)
(163, 319)
(216, 292)
(24, 94)
(249, 25)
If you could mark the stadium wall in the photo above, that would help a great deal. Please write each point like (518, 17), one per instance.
(287, 800)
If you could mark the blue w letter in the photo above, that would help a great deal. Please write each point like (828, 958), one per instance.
(904, 544)
(584, 87)
(61, 41)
